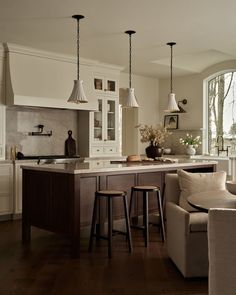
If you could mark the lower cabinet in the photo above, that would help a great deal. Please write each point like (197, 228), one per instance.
(6, 191)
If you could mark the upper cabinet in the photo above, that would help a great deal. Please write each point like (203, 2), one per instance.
(43, 79)
(101, 132)
(103, 84)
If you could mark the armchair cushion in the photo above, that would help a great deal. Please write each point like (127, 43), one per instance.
(191, 183)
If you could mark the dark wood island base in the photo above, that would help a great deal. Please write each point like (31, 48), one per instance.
(59, 198)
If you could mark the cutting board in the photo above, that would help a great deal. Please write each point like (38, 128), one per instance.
(70, 145)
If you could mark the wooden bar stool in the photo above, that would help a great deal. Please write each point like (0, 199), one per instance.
(109, 195)
(145, 190)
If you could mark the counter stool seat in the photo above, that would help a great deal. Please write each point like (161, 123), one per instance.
(145, 189)
(109, 195)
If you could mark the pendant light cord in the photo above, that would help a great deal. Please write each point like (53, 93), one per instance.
(130, 53)
(78, 49)
(171, 44)
(130, 33)
(78, 17)
(171, 68)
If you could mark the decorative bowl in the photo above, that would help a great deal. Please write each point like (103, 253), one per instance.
(167, 151)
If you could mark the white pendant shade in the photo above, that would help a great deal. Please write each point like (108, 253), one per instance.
(78, 94)
(130, 100)
(172, 105)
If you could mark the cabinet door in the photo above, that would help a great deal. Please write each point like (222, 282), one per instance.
(103, 84)
(97, 123)
(104, 126)
(111, 120)
(6, 191)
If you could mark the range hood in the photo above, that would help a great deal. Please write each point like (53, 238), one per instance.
(43, 79)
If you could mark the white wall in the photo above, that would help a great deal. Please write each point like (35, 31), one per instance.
(190, 87)
(146, 91)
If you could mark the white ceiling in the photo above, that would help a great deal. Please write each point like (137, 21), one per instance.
(203, 29)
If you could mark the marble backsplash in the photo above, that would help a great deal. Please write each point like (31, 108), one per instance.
(20, 121)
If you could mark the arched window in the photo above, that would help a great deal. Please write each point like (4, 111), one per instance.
(221, 112)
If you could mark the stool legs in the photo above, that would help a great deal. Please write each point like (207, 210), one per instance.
(127, 224)
(94, 218)
(161, 215)
(110, 227)
(146, 211)
(145, 218)
(110, 221)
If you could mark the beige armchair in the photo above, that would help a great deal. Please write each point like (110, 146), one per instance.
(222, 251)
(186, 233)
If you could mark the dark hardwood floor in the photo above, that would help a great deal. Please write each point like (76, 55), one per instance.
(46, 267)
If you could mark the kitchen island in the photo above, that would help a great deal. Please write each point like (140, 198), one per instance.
(59, 197)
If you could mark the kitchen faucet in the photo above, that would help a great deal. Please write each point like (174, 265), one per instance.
(220, 145)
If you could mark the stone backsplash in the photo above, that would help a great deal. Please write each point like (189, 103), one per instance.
(176, 147)
(20, 121)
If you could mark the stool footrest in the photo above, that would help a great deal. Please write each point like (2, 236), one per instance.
(114, 232)
(137, 226)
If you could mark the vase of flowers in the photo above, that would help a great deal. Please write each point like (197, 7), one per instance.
(155, 135)
(191, 143)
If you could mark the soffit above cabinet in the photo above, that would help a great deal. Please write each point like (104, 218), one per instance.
(42, 79)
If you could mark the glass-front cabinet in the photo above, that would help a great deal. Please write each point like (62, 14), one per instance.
(103, 84)
(99, 134)
(105, 121)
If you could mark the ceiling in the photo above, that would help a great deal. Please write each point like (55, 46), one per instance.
(204, 31)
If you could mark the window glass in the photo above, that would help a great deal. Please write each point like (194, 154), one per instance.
(222, 113)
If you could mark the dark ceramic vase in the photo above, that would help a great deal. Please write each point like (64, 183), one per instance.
(153, 151)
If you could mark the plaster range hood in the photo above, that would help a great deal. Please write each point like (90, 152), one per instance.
(41, 79)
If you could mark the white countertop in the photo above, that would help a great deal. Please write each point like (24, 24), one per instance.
(102, 166)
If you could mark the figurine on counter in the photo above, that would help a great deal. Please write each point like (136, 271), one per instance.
(70, 145)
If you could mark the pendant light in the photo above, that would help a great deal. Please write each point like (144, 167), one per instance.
(130, 101)
(172, 105)
(78, 94)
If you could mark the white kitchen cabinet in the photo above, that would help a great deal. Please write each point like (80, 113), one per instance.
(104, 121)
(99, 132)
(6, 190)
(102, 136)
(106, 84)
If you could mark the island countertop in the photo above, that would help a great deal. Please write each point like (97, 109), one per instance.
(104, 166)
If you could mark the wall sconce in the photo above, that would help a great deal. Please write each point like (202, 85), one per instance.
(181, 109)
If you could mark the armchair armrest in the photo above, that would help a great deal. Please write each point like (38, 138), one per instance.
(177, 229)
(177, 219)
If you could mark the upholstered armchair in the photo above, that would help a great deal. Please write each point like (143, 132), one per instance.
(186, 227)
(222, 251)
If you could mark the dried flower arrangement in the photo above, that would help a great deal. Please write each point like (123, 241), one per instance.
(153, 134)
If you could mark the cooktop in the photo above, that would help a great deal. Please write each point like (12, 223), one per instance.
(20, 156)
